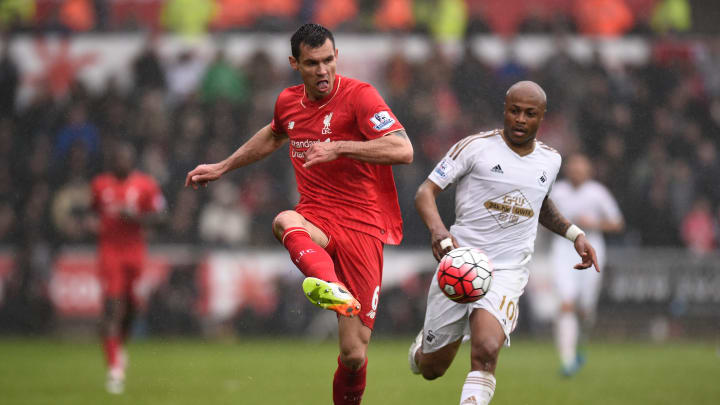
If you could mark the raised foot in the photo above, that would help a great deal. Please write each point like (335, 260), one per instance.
(332, 296)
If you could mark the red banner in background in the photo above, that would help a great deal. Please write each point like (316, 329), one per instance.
(75, 288)
(230, 282)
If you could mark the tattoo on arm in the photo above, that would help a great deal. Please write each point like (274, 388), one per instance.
(401, 133)
(552, 219)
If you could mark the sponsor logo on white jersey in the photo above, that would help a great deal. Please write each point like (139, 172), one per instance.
(497, 169)
(326, 124)
(510, 209)
(382, 120)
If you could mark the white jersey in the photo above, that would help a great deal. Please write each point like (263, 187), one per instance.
(590, 200)
(499, 195)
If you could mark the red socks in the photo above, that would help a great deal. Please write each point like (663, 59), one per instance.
(112, 351)
(311, 259)
(349, 385)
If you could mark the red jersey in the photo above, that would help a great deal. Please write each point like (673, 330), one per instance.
(137, 193)
(351, 193)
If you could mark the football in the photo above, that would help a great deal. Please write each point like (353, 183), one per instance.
(464, 274)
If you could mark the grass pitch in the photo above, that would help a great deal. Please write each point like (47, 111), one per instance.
(296, 372)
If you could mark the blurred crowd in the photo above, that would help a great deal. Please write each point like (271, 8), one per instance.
(441, 18)
(652, 131)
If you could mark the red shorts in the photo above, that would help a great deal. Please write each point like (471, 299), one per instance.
(120, 272)
(358, 259)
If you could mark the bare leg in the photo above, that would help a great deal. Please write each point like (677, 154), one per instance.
(435, 364)
(111, 330)
(349, 380)
(486, 338)
(292, 219)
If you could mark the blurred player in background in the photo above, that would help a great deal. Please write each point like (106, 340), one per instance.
(503, 180)
(343, 139)
(125, 200)
(591, 206)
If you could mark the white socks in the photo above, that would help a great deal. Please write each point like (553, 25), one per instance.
(478, 389)
(567, 331)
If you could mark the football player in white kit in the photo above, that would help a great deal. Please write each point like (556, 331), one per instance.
(503, 179)
(591, 206)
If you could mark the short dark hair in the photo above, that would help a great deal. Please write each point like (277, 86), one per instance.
(312, 35)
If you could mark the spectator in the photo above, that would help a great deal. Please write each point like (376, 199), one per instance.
(188, 17)
(78, 129)
(184, 76)
(707, 169)
(671, 16)
(603, 17)
(394, 15)
(14, 13)
(222, 81)
(183, 218)
(449, 20)
(222, 220)
(147, 70)
(335, 13)
(698, 228)
(71, 209)
(235, 14)
(278, 15)
(77, 15)
(9, 79)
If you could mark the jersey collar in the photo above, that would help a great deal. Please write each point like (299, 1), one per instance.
(306, 102)
(507, 143)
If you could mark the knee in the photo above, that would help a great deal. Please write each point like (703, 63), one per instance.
(353, 358)
(353, 352)
(284, 220)
(484, 354)
(432, 371)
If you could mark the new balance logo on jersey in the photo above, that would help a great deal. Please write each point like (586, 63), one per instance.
(497, 169)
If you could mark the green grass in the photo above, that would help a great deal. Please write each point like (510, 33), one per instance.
(296, 372)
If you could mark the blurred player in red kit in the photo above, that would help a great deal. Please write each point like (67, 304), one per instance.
(343, 139)
(125, 200)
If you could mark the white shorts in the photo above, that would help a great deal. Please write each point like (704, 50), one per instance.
(581, 287)
(447, 321)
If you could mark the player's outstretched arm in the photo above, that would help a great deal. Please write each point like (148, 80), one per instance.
(553, 220)
(263, 143)
(427, 208)
(393, 148)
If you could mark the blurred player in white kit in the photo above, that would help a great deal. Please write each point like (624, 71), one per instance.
(590, 205)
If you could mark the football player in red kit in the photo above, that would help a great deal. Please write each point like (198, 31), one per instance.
(125, 201)
(343, 139)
